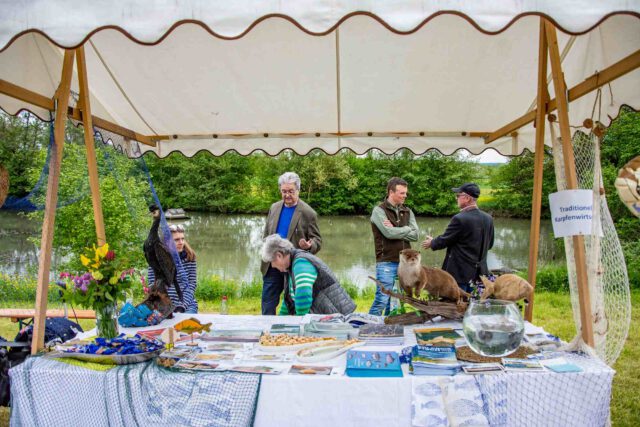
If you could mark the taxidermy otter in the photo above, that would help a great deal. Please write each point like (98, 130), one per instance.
(414, 277)
(507, 287)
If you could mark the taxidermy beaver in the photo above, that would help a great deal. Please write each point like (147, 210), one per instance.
(507, 287)
(414, 277)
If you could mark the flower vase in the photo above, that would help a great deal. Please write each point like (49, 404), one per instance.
(107, 321)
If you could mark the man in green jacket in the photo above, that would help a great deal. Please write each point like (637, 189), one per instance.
(394, 226)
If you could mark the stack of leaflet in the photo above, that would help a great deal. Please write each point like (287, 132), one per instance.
(280, 328)
(434, 360)
(341, 331)
(355, 319)
(382, 334)
(435, 353)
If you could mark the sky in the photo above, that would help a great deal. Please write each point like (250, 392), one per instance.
(489, 156)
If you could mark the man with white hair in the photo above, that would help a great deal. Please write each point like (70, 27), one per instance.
(294, 220)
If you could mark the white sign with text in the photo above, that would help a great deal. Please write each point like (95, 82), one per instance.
(571, 212)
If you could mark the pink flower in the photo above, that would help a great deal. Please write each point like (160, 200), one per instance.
(64, 275)
(110, 256)
(143, 280)
(146, 290)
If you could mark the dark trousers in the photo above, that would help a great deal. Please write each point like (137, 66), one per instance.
(272, 287)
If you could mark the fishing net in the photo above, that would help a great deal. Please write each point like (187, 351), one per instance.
(46, 392)
(608, 281)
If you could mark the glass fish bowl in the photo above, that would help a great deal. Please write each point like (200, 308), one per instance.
(493, 328)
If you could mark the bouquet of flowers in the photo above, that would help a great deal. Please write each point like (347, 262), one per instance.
(106, 282)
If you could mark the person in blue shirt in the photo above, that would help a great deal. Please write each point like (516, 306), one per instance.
(294, 220)
(188, 286)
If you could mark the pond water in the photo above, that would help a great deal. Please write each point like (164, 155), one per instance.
(229, 245)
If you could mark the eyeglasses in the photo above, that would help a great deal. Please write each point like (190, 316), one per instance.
(458, 195)
(289, 192)
(176, 228)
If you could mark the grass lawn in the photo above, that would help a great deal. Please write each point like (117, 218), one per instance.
(552, 311)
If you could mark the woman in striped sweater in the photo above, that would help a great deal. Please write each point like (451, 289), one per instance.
(188, 260)
(310, 287)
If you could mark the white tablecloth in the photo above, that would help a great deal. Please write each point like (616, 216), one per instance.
(509, 399)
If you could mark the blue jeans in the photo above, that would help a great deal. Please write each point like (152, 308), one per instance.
(386, 272)
(272, 287)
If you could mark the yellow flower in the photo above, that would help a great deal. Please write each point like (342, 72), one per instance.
(97, 275)
(85, 260)
(114, 280)
(102, 250)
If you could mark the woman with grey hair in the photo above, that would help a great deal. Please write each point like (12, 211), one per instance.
(310, 286)
(295, 221)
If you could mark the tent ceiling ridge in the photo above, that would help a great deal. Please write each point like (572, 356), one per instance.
(355, 134)
(161, 36)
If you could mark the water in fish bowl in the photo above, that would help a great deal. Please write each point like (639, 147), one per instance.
(493, 328)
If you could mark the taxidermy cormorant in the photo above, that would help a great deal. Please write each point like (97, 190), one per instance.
(161, 262)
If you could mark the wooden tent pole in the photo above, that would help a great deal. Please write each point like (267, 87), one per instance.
(85, 108)
(51, 202)
(572, 182)
(536, 202)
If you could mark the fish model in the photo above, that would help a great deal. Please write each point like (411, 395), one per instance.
(191, 326)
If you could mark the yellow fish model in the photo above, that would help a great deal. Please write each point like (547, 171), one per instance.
(191, 326)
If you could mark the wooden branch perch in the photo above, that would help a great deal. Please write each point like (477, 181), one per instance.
(448, 310)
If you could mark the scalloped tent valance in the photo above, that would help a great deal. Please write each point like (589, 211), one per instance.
(272, 75)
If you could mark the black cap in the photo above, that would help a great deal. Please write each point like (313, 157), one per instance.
(153, 207)
(469, 188)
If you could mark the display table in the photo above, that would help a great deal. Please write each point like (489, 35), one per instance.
(46, 386)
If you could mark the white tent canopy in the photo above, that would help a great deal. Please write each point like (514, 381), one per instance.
(272, 75)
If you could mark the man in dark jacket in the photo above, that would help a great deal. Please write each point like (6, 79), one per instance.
(295, 221)
(468, 238)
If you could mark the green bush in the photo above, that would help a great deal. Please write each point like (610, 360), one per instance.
(632, 256)
(23, 289)
(552, 278)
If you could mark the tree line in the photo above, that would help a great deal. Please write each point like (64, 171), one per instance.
(343, 184)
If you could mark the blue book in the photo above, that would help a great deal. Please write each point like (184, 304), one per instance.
(362, 363)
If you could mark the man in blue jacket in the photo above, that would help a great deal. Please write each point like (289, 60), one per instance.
(468, 238)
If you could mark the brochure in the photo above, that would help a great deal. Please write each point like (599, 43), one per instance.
(281, 328)
(560, 365)
(361, 363)
(310, 370)
(382, 334)
(256, 369)
(521, 365)
(262, 357)
(233, 335)
(483, 368)
(436, 336)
